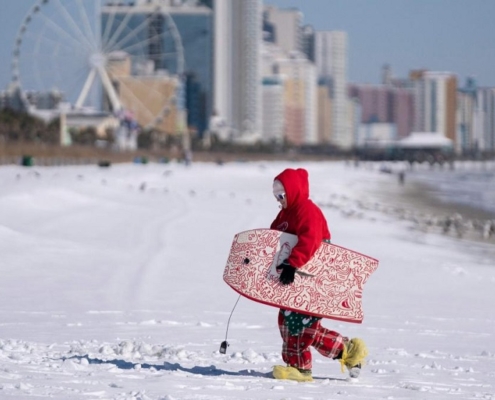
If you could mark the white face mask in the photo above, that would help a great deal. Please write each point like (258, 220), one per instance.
(279, 193)
(278, 187)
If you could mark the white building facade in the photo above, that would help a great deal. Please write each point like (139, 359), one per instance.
(484, 131)
(222, 68)
(436, 103)
(287, 27)
(273, 109)
(297, 77)
(331, 62)
(237, 86)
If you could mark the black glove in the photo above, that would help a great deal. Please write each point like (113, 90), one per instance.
(288, 273)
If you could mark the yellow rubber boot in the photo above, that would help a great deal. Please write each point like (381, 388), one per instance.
(354, 353)
(292, 374)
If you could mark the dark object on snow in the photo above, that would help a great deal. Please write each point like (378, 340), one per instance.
(223, 347)
(104, 163)
(27, 161)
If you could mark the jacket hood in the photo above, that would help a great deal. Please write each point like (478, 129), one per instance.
(296, 185)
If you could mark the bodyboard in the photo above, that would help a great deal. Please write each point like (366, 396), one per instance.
(330, 285)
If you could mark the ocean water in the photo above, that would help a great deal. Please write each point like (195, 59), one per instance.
(469, 184)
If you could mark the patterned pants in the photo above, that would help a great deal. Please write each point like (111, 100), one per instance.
(296, 349)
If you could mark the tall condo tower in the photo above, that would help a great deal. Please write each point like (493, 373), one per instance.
(485, 117)
(436, 102)
(237, 87)
(287, 31)
(331, 62)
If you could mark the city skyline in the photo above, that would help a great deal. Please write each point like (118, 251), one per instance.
(304, 77)
(442, 35)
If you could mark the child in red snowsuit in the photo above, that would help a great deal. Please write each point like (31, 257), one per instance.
(301, 217)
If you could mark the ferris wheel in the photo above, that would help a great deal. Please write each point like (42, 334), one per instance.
(101, 56)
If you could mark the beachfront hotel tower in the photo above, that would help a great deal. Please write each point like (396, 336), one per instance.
(296, 92)
(435, 102)
(485, 119)
(237, 63)
(330, 52)
(283, 57)
(284, 26)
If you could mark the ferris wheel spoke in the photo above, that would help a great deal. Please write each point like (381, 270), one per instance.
(87, 25)
(107, 29)
(46, 61)
(77, 85)
(132, 33)
(44, 69)
(107, 84)
(85, 90)
(73, 24)
(74, 87)
(60, 83)
(144, 107)
(50, 44)
(108, 46)
(61, 31)
(141, 44)
(178, 44)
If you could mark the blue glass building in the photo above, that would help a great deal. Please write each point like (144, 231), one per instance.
(144, 32)
(195, 26)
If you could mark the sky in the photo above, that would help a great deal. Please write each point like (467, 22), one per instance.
(112, 286)
(442, 35)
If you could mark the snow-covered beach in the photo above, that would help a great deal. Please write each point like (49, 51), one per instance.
(112, 287)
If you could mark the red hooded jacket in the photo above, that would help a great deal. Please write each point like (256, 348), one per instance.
(301, 217)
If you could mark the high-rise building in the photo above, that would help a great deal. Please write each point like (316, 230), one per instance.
(484, 138)
(273, 98)
(375, 100)
(354, 117)
(273, 109)
(300, 99)
(223, 70)
(285, 27)
(283, 51)
(403, 111)
(324, 104)
(308, 42)
(385, 104)
(238, 30)
(436, 98)
(195, 26)
(298, 77)
(466, 117)
(331, 62)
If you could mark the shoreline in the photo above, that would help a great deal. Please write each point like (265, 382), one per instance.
(416, 202)
(421, 196)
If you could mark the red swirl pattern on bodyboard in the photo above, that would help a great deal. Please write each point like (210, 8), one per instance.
(330, 285)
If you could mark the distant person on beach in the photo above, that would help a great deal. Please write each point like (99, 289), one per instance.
(301, 217)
